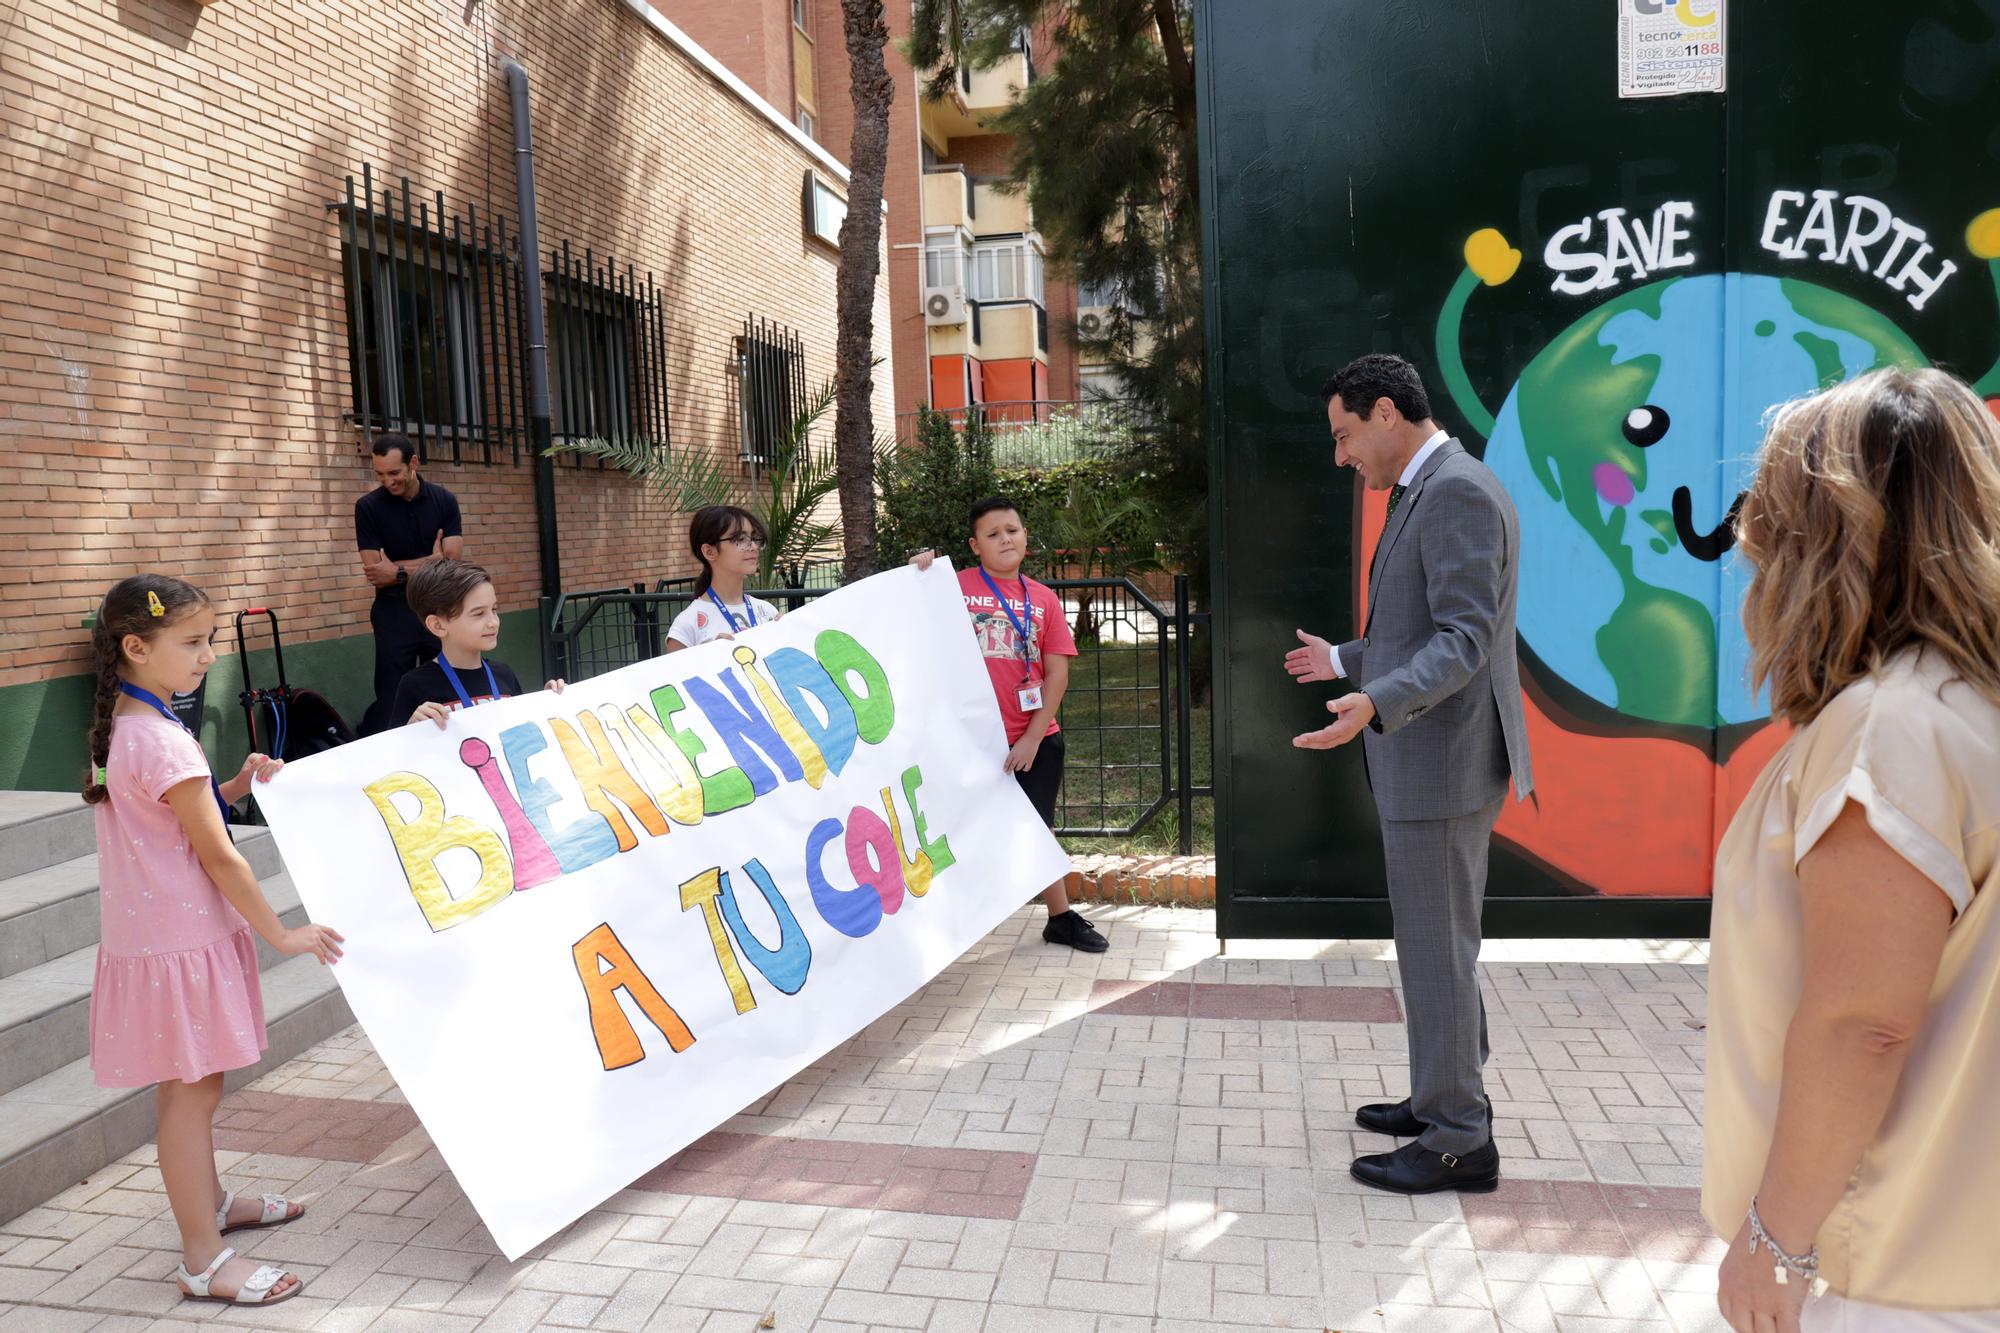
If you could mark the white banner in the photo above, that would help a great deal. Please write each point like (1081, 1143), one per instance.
(583, 930)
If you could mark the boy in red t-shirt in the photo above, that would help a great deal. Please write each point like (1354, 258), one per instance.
(1025, 639)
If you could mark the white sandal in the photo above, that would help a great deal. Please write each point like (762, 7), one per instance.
(276, 1212)
(254, 1291)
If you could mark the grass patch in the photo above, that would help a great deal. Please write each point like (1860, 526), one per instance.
(1112, 775)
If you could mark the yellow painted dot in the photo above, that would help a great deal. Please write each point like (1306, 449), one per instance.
(1983, 236)
(1488, 254)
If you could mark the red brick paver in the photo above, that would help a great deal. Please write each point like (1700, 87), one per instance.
(1185, 999)
(1585, 1217)
(953, 1182)
(333, 1131)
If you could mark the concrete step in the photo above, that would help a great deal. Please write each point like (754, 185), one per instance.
(56, 1125)
(61, 1127)
(52, 910)
(45, 1010)
(43, 828)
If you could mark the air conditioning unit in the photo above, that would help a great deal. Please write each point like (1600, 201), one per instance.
(944, 306)
(1093, 321)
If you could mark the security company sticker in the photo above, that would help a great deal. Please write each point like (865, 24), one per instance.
(1670, 47)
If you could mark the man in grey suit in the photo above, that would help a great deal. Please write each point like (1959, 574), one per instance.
(1438, 708)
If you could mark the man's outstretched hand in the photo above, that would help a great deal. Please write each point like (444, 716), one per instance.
(1351, 712)
(1313, 661)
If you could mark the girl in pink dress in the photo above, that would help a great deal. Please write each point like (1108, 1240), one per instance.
(176, 1000)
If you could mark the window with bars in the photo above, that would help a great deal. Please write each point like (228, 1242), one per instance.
(770, 387)
(430, 297)
(607, 351)
(416, 347)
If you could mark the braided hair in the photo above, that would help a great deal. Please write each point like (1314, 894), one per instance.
(127, 609)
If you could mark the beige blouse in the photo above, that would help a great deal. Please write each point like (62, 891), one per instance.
(1920, 752)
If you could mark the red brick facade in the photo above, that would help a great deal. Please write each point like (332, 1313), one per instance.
(173, 346)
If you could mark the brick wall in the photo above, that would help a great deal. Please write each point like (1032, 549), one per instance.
(173, 363)
(752, 37)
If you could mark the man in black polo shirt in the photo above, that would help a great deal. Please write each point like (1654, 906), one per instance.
(400, 526)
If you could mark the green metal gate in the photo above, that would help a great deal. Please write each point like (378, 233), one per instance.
(1604, 294)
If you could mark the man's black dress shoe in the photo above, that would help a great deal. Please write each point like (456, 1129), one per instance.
(1415, 1169)
(1392, 1118)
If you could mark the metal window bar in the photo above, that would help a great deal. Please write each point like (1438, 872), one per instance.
(428, 317)
(1127, 716)
(771, 387)
(479, 334)
(607, 351)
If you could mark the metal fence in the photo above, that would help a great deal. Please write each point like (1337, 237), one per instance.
(1126, 720)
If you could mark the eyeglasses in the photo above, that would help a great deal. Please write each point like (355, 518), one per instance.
(746, 542)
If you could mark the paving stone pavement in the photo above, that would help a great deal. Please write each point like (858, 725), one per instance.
(1038, 1140)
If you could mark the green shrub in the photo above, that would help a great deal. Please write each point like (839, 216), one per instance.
(925, 490)
(1045, 496)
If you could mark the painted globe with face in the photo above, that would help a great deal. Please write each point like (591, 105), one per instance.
(1626, 445)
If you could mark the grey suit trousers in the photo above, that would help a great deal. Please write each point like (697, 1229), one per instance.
(1437, 885)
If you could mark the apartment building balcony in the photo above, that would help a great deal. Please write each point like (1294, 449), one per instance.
(1000, 212)
(953, 198)
(977, 96)
(1014, 332)
(950, 198)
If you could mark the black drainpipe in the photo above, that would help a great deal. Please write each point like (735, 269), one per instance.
(540, 434)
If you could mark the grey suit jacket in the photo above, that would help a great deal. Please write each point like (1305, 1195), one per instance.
(1437, 656)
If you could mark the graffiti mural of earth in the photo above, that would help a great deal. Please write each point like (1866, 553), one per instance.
(1626, 444)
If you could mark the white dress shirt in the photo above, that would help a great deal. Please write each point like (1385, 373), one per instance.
(1416, 465)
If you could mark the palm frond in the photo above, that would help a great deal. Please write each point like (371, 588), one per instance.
(689, 480)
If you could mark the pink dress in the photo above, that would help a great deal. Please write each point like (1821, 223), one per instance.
(176, 995)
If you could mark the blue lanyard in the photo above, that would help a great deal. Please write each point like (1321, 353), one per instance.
(1027, 609)
(132, 691)
(464, 699)
(749, 610)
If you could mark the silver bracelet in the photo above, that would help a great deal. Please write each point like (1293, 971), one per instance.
(1806, 1265)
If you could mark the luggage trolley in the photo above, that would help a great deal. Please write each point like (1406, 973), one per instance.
(296, 722)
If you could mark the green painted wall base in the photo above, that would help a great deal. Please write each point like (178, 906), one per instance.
(43, 724)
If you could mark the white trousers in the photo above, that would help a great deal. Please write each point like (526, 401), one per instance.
(1833, 1314)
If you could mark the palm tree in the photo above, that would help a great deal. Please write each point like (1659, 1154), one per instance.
(854, 442)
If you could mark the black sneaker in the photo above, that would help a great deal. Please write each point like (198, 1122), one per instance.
(1073, 930)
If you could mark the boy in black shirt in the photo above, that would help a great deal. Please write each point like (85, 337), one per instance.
(457, 603)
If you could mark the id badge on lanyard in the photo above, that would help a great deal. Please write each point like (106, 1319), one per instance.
(1030, 693)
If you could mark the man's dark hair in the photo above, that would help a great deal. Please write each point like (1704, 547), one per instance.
(1362, 381)
(992, 504)
(394, 442)
(440, 587)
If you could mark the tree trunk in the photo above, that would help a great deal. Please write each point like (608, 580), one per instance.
(1180, 68)
(860, 265)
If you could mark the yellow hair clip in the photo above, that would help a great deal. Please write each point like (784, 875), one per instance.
(154, 604)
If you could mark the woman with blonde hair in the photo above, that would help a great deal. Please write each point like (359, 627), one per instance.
(1852, 1123)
